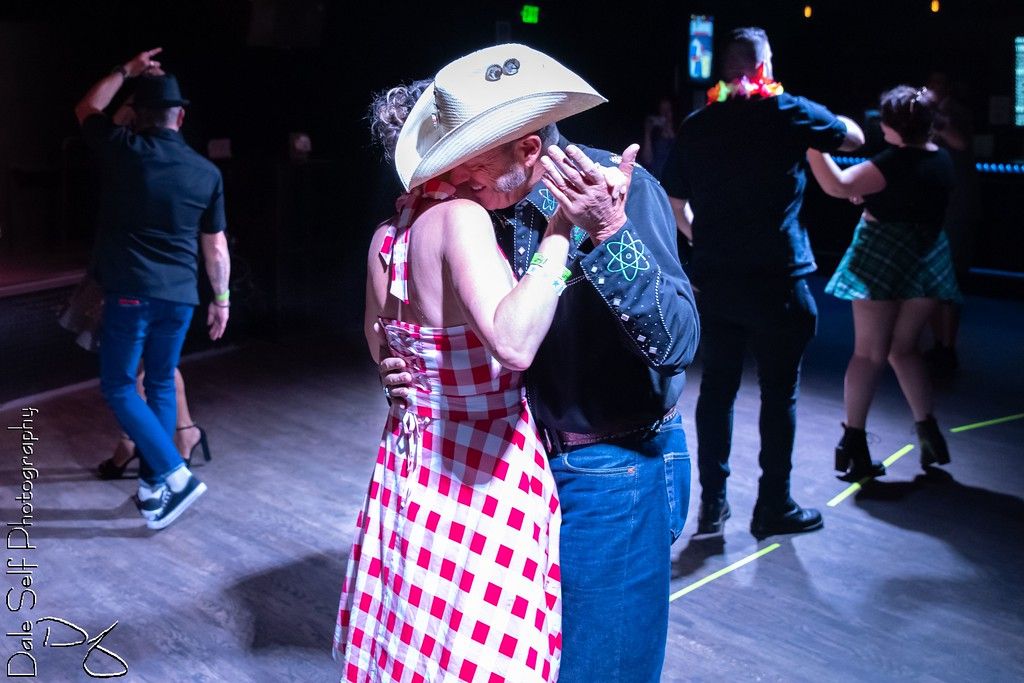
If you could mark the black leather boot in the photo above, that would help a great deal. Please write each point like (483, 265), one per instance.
(933, 445)
(789, 518)
(711, 519)
(853, 457)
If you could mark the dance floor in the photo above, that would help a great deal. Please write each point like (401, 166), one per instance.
(915, 577)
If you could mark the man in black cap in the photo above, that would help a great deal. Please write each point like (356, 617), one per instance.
(159, 201)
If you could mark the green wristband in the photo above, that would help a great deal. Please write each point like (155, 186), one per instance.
(223, 296)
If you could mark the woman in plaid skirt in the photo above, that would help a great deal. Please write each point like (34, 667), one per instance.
(896, 270)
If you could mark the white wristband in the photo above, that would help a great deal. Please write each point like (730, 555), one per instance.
(557, 280)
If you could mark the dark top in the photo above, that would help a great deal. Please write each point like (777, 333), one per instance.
(157, 195)
(741, 164)
(918, 183)
(626, 326)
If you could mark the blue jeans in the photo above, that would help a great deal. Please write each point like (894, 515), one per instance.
(623, 503)
(776, 320)
(152, 330)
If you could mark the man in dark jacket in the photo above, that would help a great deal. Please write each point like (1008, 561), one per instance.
(739, 162)
(605, 381)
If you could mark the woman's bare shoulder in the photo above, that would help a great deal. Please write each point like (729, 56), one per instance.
(458, 215)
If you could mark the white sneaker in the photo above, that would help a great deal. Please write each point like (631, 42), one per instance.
(149, 507)
(173, 504)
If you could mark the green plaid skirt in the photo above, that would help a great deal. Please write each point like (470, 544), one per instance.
(890, 260)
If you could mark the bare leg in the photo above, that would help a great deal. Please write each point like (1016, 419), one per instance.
(123, 451)
(187, 435)
(873, 323)
(906, 359)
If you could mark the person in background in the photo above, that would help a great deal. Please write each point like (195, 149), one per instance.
(160, 200)
(659, 134)
(895, 272)
(83, 315)
(739, 162)
(954, 130)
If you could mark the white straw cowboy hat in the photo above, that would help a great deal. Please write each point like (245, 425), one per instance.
(484, 100)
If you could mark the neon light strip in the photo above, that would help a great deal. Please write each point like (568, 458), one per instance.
(849, 491)
(982, 167)
(722, 572)
(897, 455)
(853, 488)
(998, 273)
(989, 423)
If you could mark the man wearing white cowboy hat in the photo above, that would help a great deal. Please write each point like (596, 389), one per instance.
(604, 383)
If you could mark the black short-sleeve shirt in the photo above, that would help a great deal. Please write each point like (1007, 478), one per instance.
(157, 195)
(741, 164)
(918, 183)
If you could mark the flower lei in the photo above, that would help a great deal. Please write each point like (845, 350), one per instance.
(759, 86)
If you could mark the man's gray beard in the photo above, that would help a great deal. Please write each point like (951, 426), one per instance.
(512, 179)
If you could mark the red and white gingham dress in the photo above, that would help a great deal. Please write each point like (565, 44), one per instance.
(454, 573)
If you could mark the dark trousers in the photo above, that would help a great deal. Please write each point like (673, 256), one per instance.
(776, 319)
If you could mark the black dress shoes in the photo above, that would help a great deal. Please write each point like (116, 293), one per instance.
(789, 519)
(711, 519)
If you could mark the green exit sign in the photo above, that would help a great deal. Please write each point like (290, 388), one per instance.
(530, 14)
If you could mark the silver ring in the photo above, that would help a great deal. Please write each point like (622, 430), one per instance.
(387, 391)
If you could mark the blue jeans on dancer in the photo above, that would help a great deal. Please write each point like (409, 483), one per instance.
(623, 504)
(152, 330)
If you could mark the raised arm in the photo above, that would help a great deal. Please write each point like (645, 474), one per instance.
(854, 135)
(102, 92)
(511, 321)
(855, 181)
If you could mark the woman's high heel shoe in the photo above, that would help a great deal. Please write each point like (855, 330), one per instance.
(109, 469)
(853, 457)
(933, 446)
(202, 442)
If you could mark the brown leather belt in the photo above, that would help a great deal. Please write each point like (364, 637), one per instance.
(558, 441)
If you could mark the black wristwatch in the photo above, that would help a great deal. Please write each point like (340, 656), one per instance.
(121, 70)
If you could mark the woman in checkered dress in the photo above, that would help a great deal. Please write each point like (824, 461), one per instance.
(896, 270)
(454, 573)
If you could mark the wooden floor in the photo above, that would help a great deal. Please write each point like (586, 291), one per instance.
(915, 578)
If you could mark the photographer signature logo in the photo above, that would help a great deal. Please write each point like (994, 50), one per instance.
(95, 644)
